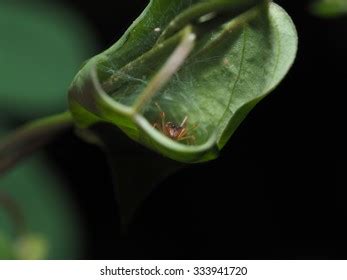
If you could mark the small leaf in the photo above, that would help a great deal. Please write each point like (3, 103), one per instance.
(329, 8)
(204, 64)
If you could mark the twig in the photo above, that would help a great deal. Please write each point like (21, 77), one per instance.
(30, 137)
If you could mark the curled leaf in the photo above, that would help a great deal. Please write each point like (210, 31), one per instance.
(186, 74)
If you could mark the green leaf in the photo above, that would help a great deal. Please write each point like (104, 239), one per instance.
(42, 46)
(49, 214)
(329, 8)
(209, 61)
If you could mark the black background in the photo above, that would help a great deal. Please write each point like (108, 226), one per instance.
(278, 190)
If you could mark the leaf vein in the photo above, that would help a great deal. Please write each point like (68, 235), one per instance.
(238, 77)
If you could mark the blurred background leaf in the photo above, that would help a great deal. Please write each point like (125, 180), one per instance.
(329, 8)
(6, 251)
(48, 210)
(42, 46)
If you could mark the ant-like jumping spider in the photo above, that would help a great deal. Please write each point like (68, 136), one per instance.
(177, 132)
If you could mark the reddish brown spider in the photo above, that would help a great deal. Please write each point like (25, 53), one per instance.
(177, 132)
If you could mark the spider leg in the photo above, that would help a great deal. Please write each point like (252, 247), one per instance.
(157, 126)
(182, 133)
(190, 138)
(184, 122)
(162, 115)
(194, 126)
(163, 121)
(158, 106)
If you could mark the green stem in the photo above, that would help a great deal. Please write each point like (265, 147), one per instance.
(30, 137)
(113, 82)
(171, 66)
(231, 27)
(211, 9)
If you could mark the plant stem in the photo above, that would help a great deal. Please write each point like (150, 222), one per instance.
(112, 82)
(28, 138)
(171, 66)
